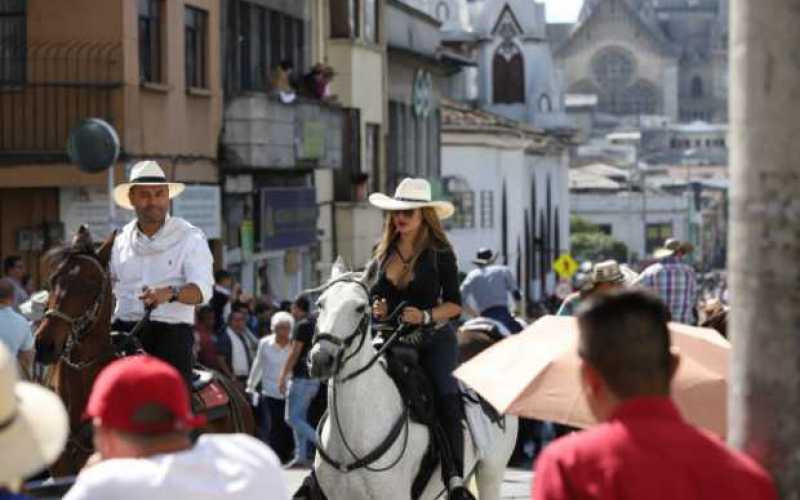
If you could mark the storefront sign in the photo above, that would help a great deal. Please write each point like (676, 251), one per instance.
(89, 206)
(421, 94)
(202, 206)
(288, 218)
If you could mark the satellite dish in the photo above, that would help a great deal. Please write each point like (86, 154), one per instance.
(93, 145)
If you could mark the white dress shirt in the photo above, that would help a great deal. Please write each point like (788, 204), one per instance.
(176, 255)
(217, 466)
(267, 366)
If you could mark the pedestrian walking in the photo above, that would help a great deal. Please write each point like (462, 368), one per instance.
(644, 448)
(33, 428)
(416, 265)
(159, 262)
(489, 286)
(298, 386)
(673, 280)
(142, 422)
(273, 351)
(238, 346)
(15, 331)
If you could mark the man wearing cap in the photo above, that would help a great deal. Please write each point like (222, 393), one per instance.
(673, 280)
(489, 286)
(141, 418)
(161, 262)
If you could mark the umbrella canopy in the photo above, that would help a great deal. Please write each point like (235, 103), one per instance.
(536, 374)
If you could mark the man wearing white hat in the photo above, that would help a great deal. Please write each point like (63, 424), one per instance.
(33, 427)
(673, 280)
(161, 262)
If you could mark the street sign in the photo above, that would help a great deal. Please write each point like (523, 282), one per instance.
(565, 266)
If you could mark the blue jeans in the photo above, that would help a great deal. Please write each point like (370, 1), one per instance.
(300, 393)
(501, 314)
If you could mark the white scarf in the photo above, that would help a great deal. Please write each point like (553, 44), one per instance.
(174, 231)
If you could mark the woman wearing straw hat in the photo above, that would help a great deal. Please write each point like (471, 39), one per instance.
(159, 262)
(416, 265)
(33, 427)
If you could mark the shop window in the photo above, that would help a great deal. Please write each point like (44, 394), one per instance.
(345, 19)
(462, 196)
(487, 209)
(655, 235)
(196, 47)
(13, 41)
(151, 26)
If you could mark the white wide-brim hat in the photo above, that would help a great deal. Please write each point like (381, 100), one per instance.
(33, 424)
(411, 194)
(145, 173)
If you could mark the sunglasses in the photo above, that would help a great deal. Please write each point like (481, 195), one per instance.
(405, 213)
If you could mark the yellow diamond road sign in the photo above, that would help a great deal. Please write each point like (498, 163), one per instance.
(565, 266)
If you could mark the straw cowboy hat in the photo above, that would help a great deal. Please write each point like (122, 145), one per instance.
(145, 173)
(484, 257)
(411, 194)
(610, 271)
(672, 245)
(33, 424)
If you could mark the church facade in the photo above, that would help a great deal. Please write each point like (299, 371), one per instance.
(648, 57)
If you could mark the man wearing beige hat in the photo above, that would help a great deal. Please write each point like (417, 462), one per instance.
(33, 427)
(159, 262)
(673, 280)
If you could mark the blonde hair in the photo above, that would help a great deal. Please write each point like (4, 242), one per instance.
(431, 235)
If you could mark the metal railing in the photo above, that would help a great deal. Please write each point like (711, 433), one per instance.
(49, 88)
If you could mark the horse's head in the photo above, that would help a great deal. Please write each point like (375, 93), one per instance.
(342, 324)
(80, 294)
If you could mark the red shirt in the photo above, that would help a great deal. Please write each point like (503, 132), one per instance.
(646, 451)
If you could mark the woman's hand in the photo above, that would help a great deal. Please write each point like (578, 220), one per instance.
(380, 309)
(412, 316)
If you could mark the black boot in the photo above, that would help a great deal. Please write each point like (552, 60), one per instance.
(452, 414)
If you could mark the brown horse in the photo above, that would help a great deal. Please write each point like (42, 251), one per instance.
(76, 336)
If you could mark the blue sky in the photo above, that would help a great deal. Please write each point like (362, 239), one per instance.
(559, 11)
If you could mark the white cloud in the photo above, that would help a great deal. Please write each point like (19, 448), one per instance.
(561, 11)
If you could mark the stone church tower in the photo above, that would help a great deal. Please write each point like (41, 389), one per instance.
(650, 57)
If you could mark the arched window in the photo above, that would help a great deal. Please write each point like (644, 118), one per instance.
(613, 68)
(697, 87)
(508, 74)
(442, 12)
(545, 105)
(641, 98)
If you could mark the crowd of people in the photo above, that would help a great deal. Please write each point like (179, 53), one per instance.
(141, 414)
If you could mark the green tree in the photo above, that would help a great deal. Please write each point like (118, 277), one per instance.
(588, 242)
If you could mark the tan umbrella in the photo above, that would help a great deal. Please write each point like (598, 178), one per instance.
(535, 374)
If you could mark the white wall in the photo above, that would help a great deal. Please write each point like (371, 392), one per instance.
(623, 212)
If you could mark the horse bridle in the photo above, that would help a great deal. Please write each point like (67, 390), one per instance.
(79, 326)
(341, 358)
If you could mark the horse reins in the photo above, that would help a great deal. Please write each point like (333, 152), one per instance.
(361, 332)
(79, 326)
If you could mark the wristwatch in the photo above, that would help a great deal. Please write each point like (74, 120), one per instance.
(427, 318)
(175, 292)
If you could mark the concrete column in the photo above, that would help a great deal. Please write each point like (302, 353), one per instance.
(764, 243)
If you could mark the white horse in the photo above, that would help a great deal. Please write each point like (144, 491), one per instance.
(366, 411)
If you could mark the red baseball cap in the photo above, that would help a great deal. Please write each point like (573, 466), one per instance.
(142, 394)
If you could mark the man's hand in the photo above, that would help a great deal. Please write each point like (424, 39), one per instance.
(155, 296)
(282, 385)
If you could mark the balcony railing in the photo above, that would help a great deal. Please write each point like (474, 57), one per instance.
(48, 88)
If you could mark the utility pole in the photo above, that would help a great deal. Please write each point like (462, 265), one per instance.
(764, 391)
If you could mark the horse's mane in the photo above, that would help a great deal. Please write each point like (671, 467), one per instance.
(59, 254)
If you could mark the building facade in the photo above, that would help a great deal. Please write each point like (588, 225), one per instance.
(146, 67)
(648, 57)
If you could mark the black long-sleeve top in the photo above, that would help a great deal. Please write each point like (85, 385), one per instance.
(434, 281)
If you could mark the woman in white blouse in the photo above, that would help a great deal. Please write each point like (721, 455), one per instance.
(270, 358)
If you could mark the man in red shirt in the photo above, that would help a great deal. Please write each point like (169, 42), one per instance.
(643, 449)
